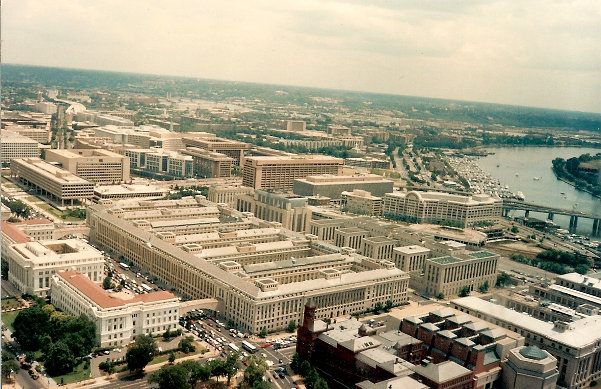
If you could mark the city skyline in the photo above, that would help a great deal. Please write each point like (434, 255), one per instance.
(533, 54)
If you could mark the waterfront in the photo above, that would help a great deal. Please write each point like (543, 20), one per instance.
(528, 170)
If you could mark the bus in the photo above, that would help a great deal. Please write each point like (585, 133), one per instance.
(146, 287)
(233, 347)
(249, 347)
(124, 265)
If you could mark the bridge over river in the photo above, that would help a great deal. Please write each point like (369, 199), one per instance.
(509, 205)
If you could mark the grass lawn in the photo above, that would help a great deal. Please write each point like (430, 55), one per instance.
(58, 213)
(10, 302)
(8, 319)
(34, 199)
(178, 354)
(78, 374)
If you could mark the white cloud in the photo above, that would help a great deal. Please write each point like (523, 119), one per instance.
(530, 52)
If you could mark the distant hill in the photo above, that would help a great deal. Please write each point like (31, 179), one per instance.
(412, 107)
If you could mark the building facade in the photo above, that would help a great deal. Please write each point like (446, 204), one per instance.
(119, 317)
(209, 164)
(362, 203)
(32, 264)
(228, 194)
(98, 166)
(291, 211)
(436, 207)
(280, 172)
(332, 186)
(14, 145)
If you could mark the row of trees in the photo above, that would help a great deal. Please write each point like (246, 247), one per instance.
(556, 261)
(62, 338)
(570, 170)
(312, 379)
(17, 206)
(186, 375)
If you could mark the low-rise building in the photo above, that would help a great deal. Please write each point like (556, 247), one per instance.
(98, 166)
(368, 163)
(361, 202)
(529, 367)
(228, 194)
(437, 207)
(14, 145)
(32, 264)
(119, 317)
(39, 134)
(332, 186)
(575, 345)
(50, 180)
(449, 275)
(290, 210)
(209, 164)
(127, 191)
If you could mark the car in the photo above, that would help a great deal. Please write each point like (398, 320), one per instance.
(282, 375)
(280, 361)
(270, 380)
(107, 352)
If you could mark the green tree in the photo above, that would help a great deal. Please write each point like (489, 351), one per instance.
(484, 287)
(231, 366)
(295, 362)
(514, 230)
(171, 377)
(378, 307)
(107, 283)
(171, 357)
(304, 368)
(465, 291)
(440, 296)
(8, 367)
(7, 356)
(196, 372)
(388, 306)
(60, 359)
(502, 280)
(186, 345)
(141, 353)
(263, 332)
(255, 370)
(320, 383)
(292, 326)
(262, 385)
(31, 325)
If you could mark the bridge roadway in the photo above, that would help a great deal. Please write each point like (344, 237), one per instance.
(550, 211)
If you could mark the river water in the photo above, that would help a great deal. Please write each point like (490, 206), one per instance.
(518, 166)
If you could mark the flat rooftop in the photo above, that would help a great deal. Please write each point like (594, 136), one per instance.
(51, 171)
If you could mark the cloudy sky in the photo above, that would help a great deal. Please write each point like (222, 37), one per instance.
(544, 53)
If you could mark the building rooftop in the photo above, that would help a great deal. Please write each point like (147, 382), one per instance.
(533, 352)
(442, 372)
(51, 171)
(577, 334)
(103, 298)
(413, 249)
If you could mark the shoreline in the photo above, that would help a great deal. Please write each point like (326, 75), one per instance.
(575, 187)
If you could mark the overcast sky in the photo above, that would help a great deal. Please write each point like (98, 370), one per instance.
(544, 53)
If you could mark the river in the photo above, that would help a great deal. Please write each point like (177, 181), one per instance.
(518, 166)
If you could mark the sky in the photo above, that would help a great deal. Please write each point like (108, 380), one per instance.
(542, 53)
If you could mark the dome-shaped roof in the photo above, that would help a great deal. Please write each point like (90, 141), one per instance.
(533, 352)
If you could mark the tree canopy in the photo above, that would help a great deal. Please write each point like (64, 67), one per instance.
(141, 353)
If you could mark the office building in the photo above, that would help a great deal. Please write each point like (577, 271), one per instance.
(332, 186)
(280, 172)
(56, 183)
(289, 210)
(209, 164)
(571, 290)
(411, 259)
(14, 145)
(119, 317)
(102, 119)
(295, 125)
(98, 166)
(32, 264)
(25, 231)
(368, 163)
(436, 207)
(377, 247)
(338, 131)
(362, 203)
(449, 275)
(162, 238)
(127, 191)
(210, 142)
(160, 163)
(45, 107)
(575, 345)
(529, 367)
(228, 194)
(41, 135)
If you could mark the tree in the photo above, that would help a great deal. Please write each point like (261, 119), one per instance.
(171, 357)
(320, 383)
(291, 326)
(484, 287)
(464, 292)
(171, 377)
(502, 280)
(8, 367)
(7, 356)
(255, 370)
(440, 296)
(60, 359)
(141, 353)
(261, 385)
(196, 372)
(231, 366)
(31, 325)
(263, 332)
(514, 230)
(388, 306)
(295, 362)
(304, 368)
(107, 283)
(378, 307)
(186, 346)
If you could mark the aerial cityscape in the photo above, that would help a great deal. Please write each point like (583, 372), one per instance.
(251, 223)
